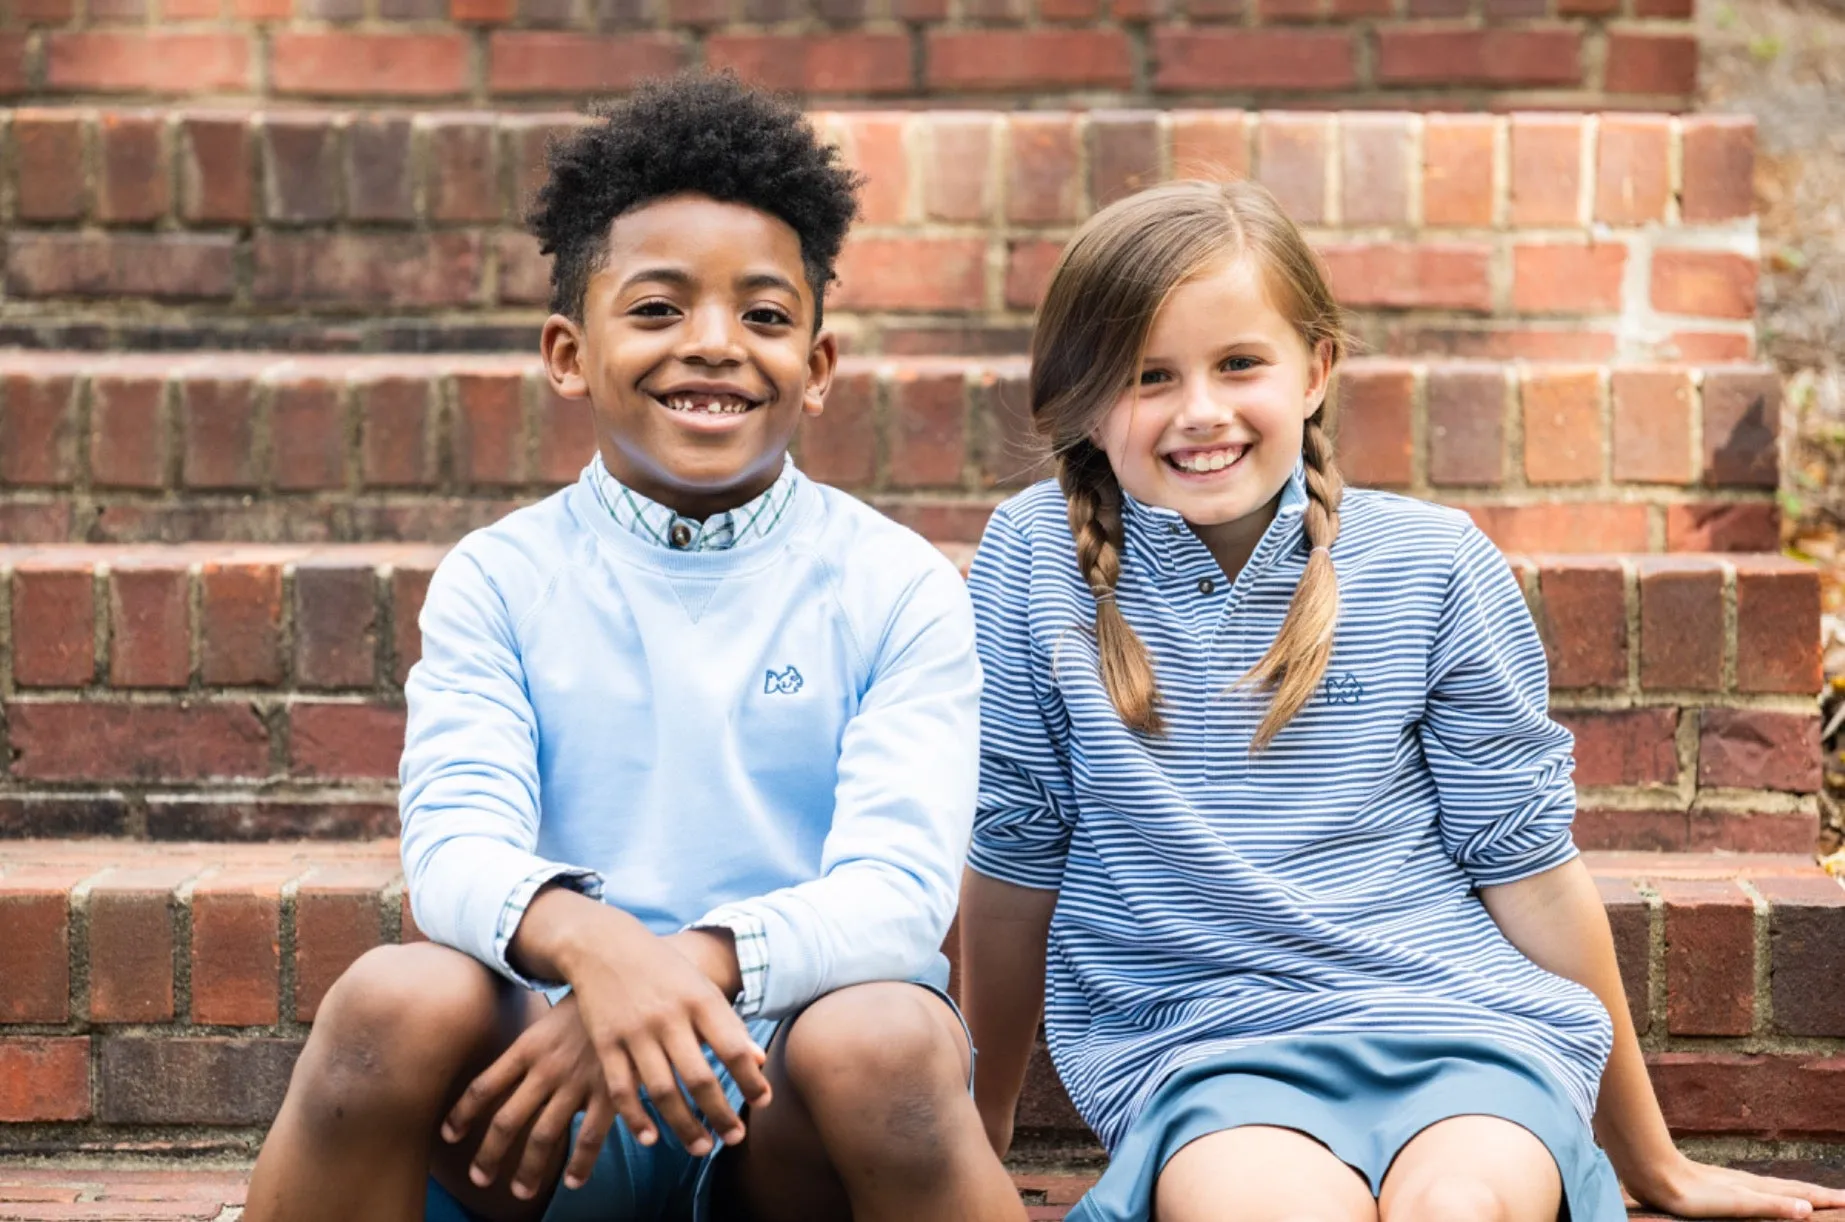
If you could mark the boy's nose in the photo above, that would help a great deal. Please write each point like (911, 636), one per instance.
(711, 338)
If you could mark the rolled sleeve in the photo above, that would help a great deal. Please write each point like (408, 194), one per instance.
(1502, 767)
(750, 938)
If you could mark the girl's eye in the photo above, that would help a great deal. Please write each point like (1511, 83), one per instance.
(768, 316)
(1241, 364)
(1152, 377)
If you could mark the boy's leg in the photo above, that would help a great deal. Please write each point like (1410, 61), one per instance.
(871, 1121)
(1258, 1173)
(397, 1038)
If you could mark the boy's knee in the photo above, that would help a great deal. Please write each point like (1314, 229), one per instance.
(1449, 1198)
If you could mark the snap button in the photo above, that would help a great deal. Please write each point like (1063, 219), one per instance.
(682, 535)
(1206, 585)
(1172, 528)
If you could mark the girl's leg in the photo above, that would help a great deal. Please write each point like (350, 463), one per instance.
(1260, 1174)
(1472, 1169)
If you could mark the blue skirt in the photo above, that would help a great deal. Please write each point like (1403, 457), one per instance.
(1364, 1097)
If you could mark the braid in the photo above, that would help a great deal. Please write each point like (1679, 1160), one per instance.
(1294, 665)
(1094, 499)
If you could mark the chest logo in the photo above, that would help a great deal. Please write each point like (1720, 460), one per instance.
(1344, 689)
(786, 682)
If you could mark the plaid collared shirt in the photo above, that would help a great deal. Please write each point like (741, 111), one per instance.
(654, 522)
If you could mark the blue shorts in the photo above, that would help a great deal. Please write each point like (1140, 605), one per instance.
(1364, 1098)
(636, 1183)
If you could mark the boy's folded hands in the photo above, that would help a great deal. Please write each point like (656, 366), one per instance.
(641, 1010)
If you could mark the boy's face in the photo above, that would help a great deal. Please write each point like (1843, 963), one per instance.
(696, 351)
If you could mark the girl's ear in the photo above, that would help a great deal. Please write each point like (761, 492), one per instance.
(1319, 374)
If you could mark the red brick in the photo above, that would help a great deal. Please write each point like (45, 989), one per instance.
(1710, 958)
(1807, 949)
(1565, 278)
(163, 266)
(218, 434)
(526, 62)
(481, 12)
(1374, 405)
(53, 624)
(131, 943)
(1210, 144)
(38, 430)
(1210, 10)
(1661, 64)
(461, 174)
(856, 63)
(1026, 60)
(409, 587)
(394, 450)
(48, 165)
(1570, 528)
(1466, 425)
(1374, 152)
(1723, 526)
(912, 274)
(336, 624)
(958, 180)
(1045, 163)
(1681, 623)
(1457, 170)
(236, 947)
(1767, 1095)
(1730, 831)
(1028, 272)
(1563, 425)
(566, 437)
(1630, 922)
(1742, 422)
(125, 61)
(525, 275)
(1275, 11)
(214, 169)
(36, 523)
(1584, 622)
(1777, 626)
(1718, 170)
(135, 742)
(876, 146)
(208, 1080)
(1758, 749)
(378, 169)
(841, 446)
(369, 270)
(1711, 347)
(1404, 275)
(344, 64)
(339, 915)
(1012, 454)
(1624, 746)
(1547, 169)
(1203, 60)
(1124, 154)
(345, 740)
(489, 433)
(1409, 56)
(135, 180)
(1652, 426)
(240, 631)
(308, 435)
(186, 817)
(13, 76)
(127, 432)
(928, 429)
(1709, 283)
(301, 167)
(150, 625)
(44, 1078)
(35, 954)
(1291, 155)
(1632, 179)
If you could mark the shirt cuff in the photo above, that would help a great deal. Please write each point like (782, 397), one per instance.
(583, 882)
(751, 937)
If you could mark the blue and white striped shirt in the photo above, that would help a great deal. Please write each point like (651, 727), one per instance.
(1210, 898)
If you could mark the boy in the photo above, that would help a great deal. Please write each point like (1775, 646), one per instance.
(691, 732)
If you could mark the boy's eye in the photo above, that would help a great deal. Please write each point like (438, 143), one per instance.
(769, 316)
(654, 309)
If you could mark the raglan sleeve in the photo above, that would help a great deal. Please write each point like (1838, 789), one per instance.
(1502, 767)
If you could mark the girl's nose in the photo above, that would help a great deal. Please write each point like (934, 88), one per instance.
(1202, 406)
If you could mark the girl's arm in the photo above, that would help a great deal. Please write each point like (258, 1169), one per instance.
(1003, 931)
(1556, 918)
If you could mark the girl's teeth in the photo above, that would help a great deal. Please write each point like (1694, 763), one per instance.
(1202, 463)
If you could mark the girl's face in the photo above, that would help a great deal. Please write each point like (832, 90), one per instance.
(1212, 428)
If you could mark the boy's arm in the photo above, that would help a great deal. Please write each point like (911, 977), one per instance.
(903, 810)
(1556, 919)
(1003, 933)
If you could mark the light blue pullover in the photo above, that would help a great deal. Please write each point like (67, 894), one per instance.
(783, 732)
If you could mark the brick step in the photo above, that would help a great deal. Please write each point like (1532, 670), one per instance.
(153, 996)
(1553, 236)
(57, 1191)
(276, 448)
(239, 692)
(1609, 53)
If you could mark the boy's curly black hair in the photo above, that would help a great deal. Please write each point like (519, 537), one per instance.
(694, 133)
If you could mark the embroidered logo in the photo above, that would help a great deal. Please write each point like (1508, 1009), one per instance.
(787, 682)
(1344, 689)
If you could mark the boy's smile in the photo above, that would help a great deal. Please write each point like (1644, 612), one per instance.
(697, 352)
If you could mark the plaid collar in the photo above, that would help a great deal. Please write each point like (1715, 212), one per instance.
(655, 523)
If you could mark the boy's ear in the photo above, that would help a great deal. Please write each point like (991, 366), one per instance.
(561, 342)
(822, 363)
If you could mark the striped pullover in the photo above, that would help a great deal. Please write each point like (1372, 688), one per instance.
(1210, 897)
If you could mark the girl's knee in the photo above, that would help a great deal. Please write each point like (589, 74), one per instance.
(1457, 1197)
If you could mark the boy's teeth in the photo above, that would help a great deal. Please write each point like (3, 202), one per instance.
(714, 405)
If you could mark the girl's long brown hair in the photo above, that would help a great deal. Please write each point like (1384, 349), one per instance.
(1086, 350)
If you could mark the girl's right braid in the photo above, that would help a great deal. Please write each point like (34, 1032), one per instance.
(1094, 502)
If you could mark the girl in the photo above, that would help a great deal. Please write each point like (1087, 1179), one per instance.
(1269, 764)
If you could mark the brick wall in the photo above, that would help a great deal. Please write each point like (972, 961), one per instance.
(1466, 53)
(1572, 237)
